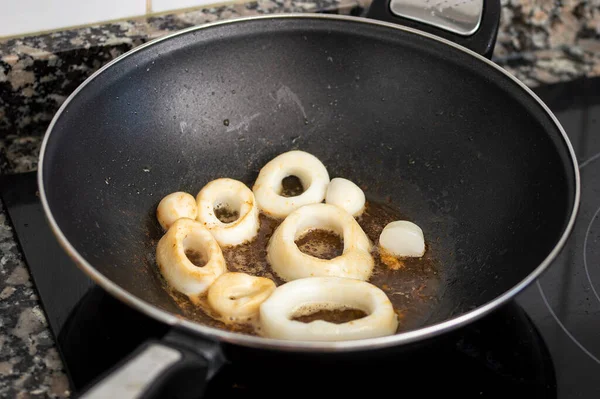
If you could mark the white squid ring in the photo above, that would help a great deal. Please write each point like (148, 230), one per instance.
(177, 269)
(238, 296)
(290, 263)
(318, 293)
(235, 195)
(309, 169)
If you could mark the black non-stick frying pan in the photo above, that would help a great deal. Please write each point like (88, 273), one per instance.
(460, 146)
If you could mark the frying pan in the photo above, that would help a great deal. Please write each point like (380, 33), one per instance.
(463, 148)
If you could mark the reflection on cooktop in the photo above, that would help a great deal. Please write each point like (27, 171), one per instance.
(500, 356)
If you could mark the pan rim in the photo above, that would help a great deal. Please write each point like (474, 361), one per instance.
(307, 346)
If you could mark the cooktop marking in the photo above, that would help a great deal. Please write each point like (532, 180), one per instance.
(589, 160)
(585, 241)
(589, 228)
(587, 352)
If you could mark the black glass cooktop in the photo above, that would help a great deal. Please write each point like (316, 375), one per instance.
(545, 344)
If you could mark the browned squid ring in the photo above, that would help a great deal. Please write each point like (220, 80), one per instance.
(181, 274)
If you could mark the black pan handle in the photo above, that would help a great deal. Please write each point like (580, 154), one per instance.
(177, 366)
(470, 23)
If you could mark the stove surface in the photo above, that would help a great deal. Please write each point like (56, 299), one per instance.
(543, 344)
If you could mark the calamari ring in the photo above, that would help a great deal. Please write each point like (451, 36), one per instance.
(290, 263)
(309, 169)
(238, 296)
(234, 195)
(317, 293)
(181, 274)
(175, 206)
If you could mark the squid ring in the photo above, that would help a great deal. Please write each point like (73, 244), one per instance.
(238, 296)
(290, 263)
(175, 206)
(311, 294)
(187, 235)
(309, 169)
(233, 195)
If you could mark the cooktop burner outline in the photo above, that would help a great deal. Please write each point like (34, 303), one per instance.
(589, 160)
(585, 242)
(563, 327)
(587, 273)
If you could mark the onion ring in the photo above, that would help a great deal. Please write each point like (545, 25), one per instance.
(317, 293)
(177, 269)
(309, 169)
(290, 263)
(235, 195)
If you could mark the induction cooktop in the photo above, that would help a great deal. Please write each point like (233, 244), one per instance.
(544, 344)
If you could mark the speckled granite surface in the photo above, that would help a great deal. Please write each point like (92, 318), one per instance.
(547, 41)
(30, 366)
(541, 41)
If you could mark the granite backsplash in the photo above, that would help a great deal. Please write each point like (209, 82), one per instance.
(540, 41)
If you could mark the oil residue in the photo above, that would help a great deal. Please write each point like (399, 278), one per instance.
(291, 186)
(412, 288)
(321, 244)
(196, 257)
(332, 316)
(225, 214)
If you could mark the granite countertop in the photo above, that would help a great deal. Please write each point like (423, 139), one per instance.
(541, 41)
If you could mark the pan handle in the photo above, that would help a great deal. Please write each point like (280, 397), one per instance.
(469, 23)
(177, 364)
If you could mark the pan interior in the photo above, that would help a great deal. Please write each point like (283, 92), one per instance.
(455, 145)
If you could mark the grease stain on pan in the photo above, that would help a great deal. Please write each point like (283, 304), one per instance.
(285, 95)
(244, 124)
